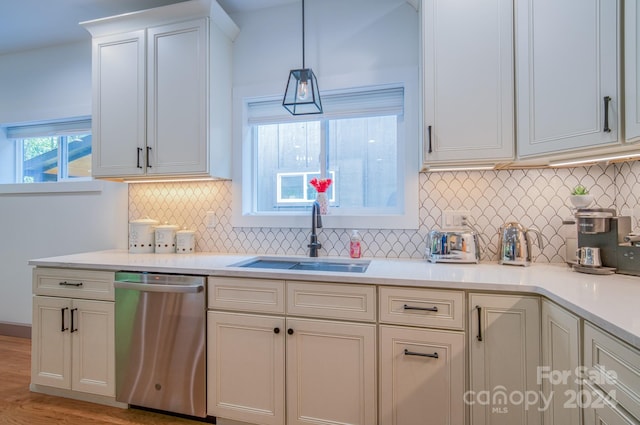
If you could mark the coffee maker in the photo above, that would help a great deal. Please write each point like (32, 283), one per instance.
(602, 228)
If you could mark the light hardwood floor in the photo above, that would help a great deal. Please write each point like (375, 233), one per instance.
(19, 406)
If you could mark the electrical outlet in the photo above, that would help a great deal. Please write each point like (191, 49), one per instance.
(212, 220)
(453, 219)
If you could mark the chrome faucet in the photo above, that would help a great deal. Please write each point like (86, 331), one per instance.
(316, 223)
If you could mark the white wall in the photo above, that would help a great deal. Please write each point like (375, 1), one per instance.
(46, 84)
(44, 225)
(43, 85)
(339, 35)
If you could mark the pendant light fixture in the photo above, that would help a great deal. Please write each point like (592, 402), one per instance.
(302, 96)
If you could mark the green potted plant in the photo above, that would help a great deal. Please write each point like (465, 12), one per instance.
(580, 197)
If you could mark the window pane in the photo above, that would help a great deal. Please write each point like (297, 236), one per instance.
(285, 154)
(363, 155)
(78, 156)
(40, 159)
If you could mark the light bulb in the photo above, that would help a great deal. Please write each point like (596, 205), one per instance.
(303, 90)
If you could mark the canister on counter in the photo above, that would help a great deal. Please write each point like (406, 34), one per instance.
(141, 235)
(166, 238)
(185, 241)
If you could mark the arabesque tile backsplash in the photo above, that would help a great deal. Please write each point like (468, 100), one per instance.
(534, 197)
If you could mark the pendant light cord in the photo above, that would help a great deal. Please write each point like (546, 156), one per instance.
(303, 67)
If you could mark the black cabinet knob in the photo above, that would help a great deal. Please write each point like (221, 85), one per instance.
(276, 330)
(290, 331)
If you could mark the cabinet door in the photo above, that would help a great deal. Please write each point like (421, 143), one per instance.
(331, 372)
(468, 80)
(560, 354)
(504, 357)
(415, 385)
(51, 342)
(177, 98)
(632, 70)
(245, 373)
(93, 346)
(566, 64)
(118, 105)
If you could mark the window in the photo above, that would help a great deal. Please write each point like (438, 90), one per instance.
(52, 152)
(358, 142)
(358, 154)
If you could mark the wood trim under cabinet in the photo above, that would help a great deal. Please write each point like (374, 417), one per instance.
(15, 329)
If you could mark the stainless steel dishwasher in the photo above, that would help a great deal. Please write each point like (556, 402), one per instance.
(160, 342)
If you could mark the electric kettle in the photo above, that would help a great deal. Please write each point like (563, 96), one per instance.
(514, 246)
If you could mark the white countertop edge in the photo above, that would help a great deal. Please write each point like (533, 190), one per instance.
(389, 272)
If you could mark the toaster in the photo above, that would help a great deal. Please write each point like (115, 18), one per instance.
(458, 246)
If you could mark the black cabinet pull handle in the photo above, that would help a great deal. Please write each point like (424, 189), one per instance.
(479, 337)
(430, 150)
(408, 307)
(148, 161)
(62, 328)
(138, 158)
(290, 331)
(413, 353)
(607, 100)
(73, 329)
(276, 330)
(65, 283)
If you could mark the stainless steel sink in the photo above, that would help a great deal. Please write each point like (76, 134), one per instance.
(307, 265)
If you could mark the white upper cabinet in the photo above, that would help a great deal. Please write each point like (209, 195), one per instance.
(567, 67)
(177, 98)
(118, 104)
(468, 81)
(162, 92)
(632, 70)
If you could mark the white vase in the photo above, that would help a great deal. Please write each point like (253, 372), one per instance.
(323, 200)
(581, 201)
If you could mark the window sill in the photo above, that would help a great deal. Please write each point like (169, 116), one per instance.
(51, 188)
(329, 221)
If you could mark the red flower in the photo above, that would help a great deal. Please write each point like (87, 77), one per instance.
(321, 185)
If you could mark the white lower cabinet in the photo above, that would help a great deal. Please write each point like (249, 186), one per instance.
(601, 410)
(274, 369)
(73, 345)
(612, 384)
(560, 368)
(504, 349)
(329, 368)
(331, 372)
(421, 376)
(246, 364)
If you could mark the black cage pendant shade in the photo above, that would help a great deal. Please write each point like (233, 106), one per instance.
(301, 96)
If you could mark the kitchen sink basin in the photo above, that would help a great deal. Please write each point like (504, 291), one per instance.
(307, 265)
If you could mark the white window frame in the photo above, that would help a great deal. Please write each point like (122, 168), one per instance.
(71, 126)
(304, 200)
(63, 166)
(408, 157)
(61, 129)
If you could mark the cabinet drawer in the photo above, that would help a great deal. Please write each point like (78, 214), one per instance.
(350, 302)
(599, 409)
(614, 367)
(87, 284)
(422, 307)
(239, 294)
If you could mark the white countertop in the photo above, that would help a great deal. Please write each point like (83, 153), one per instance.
(611, 302)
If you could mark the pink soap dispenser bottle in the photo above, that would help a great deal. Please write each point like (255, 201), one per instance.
(355, 245)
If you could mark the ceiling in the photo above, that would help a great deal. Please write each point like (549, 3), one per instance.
(34, 24)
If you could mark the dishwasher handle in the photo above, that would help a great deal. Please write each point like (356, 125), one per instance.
(151, 287)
